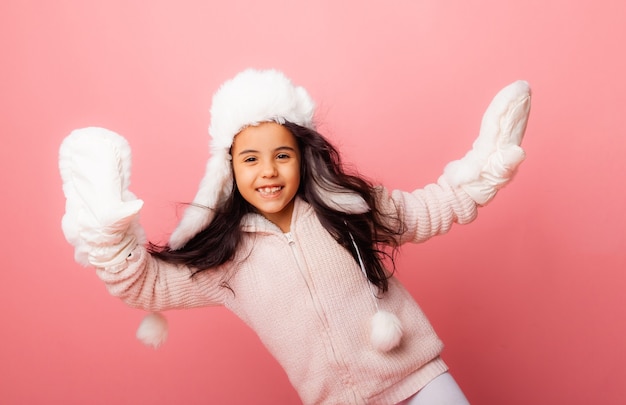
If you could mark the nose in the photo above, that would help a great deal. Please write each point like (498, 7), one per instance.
(269, 169)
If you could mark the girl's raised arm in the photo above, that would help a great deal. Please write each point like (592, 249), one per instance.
(101, 221)
(475, 179)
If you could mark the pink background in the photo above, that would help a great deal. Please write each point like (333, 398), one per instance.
(529, 299)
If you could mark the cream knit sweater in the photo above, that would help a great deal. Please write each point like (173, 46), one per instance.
(308, 301)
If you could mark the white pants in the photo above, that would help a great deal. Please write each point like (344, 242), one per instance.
(443, 390)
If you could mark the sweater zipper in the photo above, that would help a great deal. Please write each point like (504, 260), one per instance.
(301, 269)
(296, 256)
(318, 309)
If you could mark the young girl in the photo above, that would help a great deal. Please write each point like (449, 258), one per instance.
(290, 242)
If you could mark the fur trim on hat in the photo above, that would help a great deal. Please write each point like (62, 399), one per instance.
(253, 97)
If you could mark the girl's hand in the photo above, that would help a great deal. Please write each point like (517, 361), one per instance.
(496, 153)
(101, 215)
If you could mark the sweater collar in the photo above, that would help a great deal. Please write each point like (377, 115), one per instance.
(255, 222)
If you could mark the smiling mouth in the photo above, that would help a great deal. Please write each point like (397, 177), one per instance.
(269, 191)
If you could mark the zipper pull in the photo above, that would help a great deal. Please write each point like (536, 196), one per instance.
(289, 238)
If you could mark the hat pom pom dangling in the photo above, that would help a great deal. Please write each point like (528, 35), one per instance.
(153, 330)
(386, 331)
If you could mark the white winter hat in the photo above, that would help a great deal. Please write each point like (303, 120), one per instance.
(250, 98)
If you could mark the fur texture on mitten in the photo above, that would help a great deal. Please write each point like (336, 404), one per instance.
(496, 153)
(101, 215)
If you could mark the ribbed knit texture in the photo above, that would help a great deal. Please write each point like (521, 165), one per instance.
(308, 301)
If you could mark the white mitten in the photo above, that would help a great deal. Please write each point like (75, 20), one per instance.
(101, 215)
(496, 153)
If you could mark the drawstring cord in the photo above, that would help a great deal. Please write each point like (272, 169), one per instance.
(360, 260)
(386, 329)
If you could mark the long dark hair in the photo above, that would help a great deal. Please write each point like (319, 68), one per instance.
(372, 233)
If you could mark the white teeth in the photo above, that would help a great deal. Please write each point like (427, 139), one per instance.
(269, 190)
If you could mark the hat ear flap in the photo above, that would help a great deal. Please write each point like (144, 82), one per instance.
(330, 193)
(341, 200)
(215, 188)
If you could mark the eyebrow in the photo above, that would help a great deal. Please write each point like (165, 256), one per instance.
(289, 148)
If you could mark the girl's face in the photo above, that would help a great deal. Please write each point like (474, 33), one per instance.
(266, 165)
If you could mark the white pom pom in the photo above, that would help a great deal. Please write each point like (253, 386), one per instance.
(386, 331)
(153, 330)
